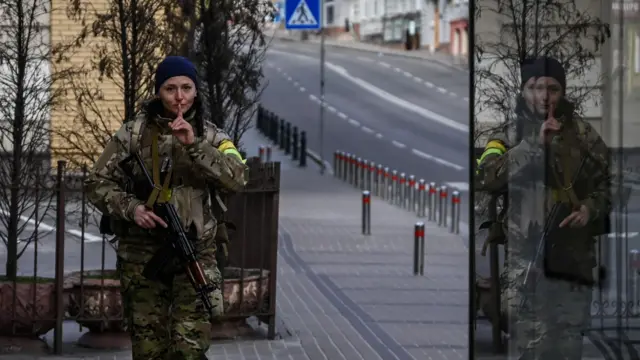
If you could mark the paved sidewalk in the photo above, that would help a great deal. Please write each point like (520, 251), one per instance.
(457, 62)
(349, 296)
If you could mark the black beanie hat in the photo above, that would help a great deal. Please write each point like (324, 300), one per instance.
(550, 67)
(527, 71)
(174, 66)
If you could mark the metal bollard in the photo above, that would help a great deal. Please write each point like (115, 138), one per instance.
(422, 198)
(336, 163)
(268, 153)
(261, 153)
(358, 175)
(455, 212)
(432, 201)
(364, 172)
(303, 149)
(294, 144)
(378, 179)
(345, 166)
(282, 134)
(411, 193)
(287, 139)
(366, 212)
(352, 168)
(371, 171)
(385, 184)
(442, 206)
(402, 191)
(394, 187)
(418, 249)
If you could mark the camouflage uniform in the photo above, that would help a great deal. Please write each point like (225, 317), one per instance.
(549, 324)
(166, 320)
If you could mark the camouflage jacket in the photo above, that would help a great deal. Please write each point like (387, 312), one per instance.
(195, 168)
(527, 169)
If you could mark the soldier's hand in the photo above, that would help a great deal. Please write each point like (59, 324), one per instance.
(548, 128)
(182, 130)
(578, 218)
(147, 219)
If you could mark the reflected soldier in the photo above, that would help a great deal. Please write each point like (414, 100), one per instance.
(494, 199)
(558, 182)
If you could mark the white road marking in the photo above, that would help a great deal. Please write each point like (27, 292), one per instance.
(88, 238)
(367, 130)
(398, 144)
(302, 89)
(436, 159)
(354, 122)
(427, 114)
(442, 90)
(379, 136)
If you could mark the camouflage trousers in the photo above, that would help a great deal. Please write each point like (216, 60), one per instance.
(165, 320)
(550, 324)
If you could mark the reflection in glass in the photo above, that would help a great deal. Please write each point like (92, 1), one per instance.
(555, 138)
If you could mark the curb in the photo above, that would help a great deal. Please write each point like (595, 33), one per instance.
(316, 159)
(463, 68)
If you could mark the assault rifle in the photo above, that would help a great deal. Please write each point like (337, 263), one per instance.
(179, 245)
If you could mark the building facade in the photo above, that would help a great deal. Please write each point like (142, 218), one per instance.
(432, 24)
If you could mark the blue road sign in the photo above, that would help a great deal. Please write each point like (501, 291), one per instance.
(302, 14)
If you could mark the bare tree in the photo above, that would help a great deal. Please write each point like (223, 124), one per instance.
(30, 92)
(134, 34)
(229, 47)
(532, 28)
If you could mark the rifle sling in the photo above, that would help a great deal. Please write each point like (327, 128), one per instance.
(158, 194)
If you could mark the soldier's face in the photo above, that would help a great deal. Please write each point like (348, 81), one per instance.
(529, 93)
(178, 91)
(548, 93)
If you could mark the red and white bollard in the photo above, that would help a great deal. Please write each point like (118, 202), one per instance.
(418, 249)
(422, 198)
(432, 201)
(366, 213)
(455, 212)
(442, 206)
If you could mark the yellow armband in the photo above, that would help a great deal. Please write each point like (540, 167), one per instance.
(227, 147)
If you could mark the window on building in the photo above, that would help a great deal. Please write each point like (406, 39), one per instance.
(329, 14)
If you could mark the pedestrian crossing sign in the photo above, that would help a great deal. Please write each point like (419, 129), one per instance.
(302, 14)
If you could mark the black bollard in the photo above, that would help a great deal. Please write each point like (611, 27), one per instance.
(287, 140)
(282, 134)
(303, 149)
(294, 143)
(260, 120)
(273, 129)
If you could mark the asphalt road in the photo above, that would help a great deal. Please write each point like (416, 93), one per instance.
(409, 115)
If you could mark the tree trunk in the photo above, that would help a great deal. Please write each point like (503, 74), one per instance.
(18, 133)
